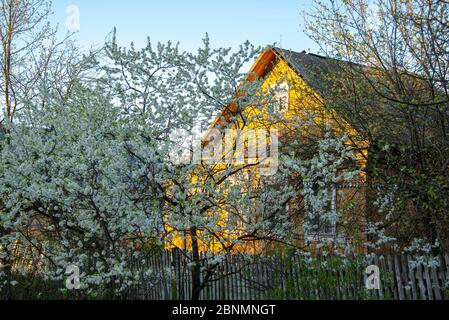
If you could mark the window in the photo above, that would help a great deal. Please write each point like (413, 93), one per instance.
(322, 225)
(282, 97)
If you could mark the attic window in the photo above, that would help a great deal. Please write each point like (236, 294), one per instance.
(282, 97)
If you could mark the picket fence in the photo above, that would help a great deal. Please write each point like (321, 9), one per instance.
(246, 278)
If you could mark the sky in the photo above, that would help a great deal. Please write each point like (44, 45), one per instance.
(228, 22)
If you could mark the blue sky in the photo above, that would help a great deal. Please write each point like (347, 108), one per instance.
(228, 22)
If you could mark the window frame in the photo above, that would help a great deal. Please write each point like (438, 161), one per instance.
(323, 234)
(282, 96)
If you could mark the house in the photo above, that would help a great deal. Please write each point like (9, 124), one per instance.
(300, 81)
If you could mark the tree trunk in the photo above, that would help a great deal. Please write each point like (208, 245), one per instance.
(196, 270)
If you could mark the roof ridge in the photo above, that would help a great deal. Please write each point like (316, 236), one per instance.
(288, 50)
(320, 56)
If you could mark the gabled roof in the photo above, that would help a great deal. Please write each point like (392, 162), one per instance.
(319, 72)
(328, 78)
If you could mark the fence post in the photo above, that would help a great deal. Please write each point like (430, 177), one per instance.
(412, 278)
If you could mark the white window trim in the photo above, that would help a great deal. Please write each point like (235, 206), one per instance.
(325, 236)
(282, 93)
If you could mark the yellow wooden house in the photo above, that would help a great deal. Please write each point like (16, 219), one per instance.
(299, 80)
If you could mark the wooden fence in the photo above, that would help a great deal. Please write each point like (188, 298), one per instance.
(248, 278)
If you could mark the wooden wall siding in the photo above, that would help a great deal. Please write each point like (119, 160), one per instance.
(238, 278)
